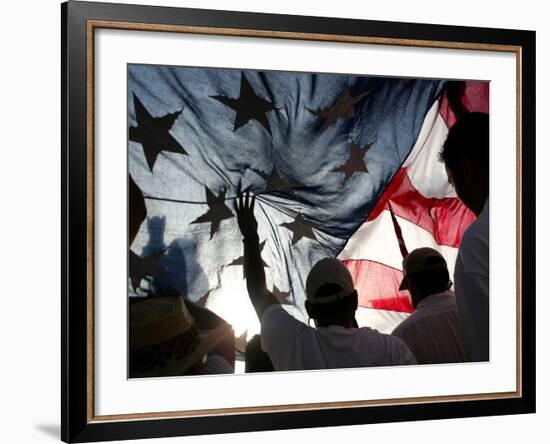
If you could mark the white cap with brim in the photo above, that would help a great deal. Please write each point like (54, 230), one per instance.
(328, 271)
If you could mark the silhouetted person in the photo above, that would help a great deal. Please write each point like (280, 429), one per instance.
(256, 360)
(331, 302)
(137, 212)
(165, 340)
(466, 157)
(432, 332)
(168, 335)
(156, 228)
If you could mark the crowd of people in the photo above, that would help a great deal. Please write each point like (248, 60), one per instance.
(172, 336)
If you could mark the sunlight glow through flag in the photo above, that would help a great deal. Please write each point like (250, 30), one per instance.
(324, 154)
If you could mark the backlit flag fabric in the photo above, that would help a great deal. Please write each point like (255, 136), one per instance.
(426, 208)
(322, 152)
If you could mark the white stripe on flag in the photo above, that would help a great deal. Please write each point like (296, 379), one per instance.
(375, 240)
(426, 173)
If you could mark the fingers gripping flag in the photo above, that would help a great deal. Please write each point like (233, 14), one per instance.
(318, 151)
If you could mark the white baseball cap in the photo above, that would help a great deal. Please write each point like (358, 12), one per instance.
(328, 271)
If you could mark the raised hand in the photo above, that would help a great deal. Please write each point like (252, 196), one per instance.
(260, 296)
(244, 207)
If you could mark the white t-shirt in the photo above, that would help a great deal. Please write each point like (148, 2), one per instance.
(293, 345)
(432, 332)
(472, 286)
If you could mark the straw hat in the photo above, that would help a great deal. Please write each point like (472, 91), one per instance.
(164, 340)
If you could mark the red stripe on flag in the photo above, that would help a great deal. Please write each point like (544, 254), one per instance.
(378, 285)
(446, 218)
(472, 96)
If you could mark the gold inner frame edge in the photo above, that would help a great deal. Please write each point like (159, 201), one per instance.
(121, 25)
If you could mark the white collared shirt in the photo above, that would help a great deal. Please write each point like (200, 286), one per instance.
(472, 286)
(293, 345)
(432, 332)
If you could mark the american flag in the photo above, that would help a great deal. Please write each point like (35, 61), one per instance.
(424, 206)
(326, 156)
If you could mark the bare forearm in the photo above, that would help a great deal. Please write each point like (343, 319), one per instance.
(253, 268)
(254, 273)
(260, 296)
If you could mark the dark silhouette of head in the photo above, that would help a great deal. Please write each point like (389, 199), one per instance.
(331, 297)
(137, 212)
(424, 273)
(466, 157)
(156, 228)
(340, 312)
(256, 360)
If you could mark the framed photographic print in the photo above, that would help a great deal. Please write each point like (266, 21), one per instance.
(277, 221)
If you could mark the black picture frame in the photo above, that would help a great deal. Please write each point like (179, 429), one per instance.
(78, 423)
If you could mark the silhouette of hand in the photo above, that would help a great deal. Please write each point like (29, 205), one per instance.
(244, 207)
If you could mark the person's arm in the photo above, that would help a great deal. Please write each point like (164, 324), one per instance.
(260, 296)
(472, 293)
(472, 303)
(206, 319)
(226, 348)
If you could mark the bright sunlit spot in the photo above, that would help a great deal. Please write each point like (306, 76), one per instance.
(231, 302)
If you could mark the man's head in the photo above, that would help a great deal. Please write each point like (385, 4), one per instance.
(424, 273)
(331, 297)
(466, 157)
(164, 339)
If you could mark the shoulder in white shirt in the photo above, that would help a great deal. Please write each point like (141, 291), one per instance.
(293, 345)
(433, 332)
